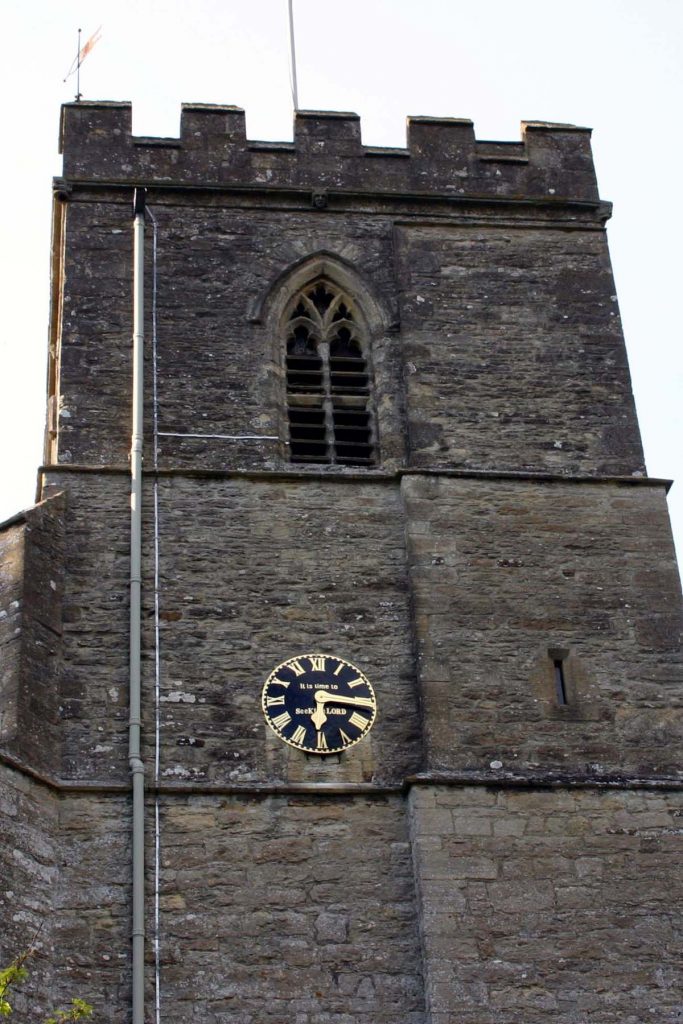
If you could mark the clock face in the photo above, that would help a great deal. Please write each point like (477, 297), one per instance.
(319, 703)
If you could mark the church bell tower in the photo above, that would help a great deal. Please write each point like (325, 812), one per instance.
(343, 686)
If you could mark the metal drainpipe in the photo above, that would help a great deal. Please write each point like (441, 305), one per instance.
(136, 765)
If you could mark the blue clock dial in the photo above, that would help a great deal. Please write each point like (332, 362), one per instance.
(319, 703)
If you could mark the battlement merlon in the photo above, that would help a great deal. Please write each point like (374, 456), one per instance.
(552, 162)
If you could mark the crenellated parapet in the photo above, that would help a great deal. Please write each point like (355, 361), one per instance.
(551, 162)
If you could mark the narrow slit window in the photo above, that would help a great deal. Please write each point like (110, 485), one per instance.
(330, 409)
(560, 682)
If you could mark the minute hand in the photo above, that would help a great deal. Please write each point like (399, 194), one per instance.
(323, 697)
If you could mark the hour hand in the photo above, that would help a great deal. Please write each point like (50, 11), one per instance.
(319, 717)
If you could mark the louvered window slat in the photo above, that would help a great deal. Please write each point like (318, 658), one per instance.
(329, 386)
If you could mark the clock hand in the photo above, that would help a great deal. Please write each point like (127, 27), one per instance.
(323, 697)
(319, 717)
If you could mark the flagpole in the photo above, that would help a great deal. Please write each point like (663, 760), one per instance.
(78, 69)
(295, 91)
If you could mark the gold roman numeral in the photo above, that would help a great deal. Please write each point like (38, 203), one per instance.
(339, 667)
(282, 682)
(364, 702)
(345, 738)
(271, 702)
(356, 682)
(280, 721)
(296, 667)
(322, 742)
(299, 734)
(358, 720)
(317, 664)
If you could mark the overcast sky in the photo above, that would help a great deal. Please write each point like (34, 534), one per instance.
(614, 65)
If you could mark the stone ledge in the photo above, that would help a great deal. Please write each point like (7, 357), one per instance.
(371, 475)
(492, 779)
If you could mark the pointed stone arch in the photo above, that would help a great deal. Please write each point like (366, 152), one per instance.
(374, 434)
(270, 305)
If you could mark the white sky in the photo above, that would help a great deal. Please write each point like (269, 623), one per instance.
(614, 65)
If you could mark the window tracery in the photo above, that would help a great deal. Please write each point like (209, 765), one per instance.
(329, 394)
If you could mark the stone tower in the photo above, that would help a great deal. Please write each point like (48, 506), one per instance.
(387, 419)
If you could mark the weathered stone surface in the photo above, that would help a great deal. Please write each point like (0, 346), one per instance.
(552, 161)
(514, 350)
(511, 352)
(229, 611)
(29, 876)
(31, 593)
(503, 573)
(291, 906)
(569, 920)
(11, 581)
(503, 530)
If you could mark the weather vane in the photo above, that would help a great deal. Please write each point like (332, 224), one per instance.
(81, 53)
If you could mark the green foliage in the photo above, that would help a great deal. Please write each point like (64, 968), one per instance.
(15, 973)
(12, 975)
(79, 1010)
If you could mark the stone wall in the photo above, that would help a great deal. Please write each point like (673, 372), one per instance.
(65, 890)
(281, 909)
(549, 905)
(230, 609)
(514, 352)
(510, 357)
(12, 583)
(93, 692)
(496, 339)
(534, 904)
(95, 317)
(505, 575)
(31, 592)
(497, 576)
(553, 162)
(92, 903)
(436, 872)
(29, 878)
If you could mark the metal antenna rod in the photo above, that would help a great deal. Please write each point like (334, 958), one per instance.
(78, 68)
(295, 90)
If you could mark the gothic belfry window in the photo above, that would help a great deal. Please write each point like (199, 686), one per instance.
(329, 387)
